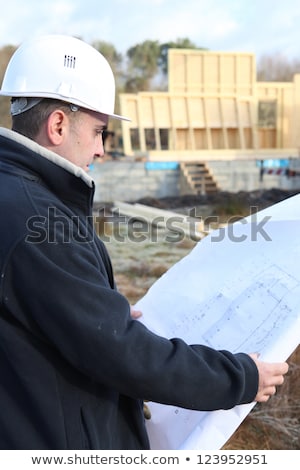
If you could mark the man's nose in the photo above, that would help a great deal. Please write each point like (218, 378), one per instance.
(100, 148)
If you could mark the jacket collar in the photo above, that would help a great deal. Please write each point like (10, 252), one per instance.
(66, 180)
(51, 156)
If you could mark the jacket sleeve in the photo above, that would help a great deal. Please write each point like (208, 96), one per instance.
(62, 293)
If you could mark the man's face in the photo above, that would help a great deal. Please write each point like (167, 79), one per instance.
(84, 140)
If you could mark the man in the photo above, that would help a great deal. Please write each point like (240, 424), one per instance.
(75, 366)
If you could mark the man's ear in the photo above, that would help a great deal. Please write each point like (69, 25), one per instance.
(56, 126)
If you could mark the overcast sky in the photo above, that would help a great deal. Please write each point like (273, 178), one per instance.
(258, 26)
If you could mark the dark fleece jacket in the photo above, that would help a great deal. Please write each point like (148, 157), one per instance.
(74, 365)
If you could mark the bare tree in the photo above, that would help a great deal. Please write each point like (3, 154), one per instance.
(277, 68)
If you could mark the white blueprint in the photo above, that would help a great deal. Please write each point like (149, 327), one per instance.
(238, 289)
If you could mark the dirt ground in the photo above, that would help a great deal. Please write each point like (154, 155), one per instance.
(274, 425)
(222, 202)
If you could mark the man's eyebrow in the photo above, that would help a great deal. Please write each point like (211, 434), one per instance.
(101, 128)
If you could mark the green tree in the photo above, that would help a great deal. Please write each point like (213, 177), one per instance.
(147, 65)
(181, 43)
(142, 66)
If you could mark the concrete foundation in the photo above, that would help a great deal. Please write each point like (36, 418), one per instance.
(131, 180)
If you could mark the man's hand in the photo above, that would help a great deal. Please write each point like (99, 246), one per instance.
(270, 375)
(135, 313)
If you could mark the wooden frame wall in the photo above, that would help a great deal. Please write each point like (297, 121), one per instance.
(213, 103)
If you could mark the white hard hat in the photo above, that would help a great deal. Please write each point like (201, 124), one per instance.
(61, 67)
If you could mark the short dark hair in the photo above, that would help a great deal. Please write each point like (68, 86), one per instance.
(30, 122)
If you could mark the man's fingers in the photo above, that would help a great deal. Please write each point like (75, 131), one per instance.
(271, 375)
(278, 380)
(135, 313)
(265, 394)
(272, 380)
(280, 368)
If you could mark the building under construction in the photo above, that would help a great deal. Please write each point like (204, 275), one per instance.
(216, 125)
(214, 110)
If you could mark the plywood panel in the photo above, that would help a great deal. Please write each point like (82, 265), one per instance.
(245, 113)
(183, 141)
(146, 111)
(196, 111)
(211, 75)
(267, 138)
(194, 74)
(213, 112)
(179, 111)
(177, 73)
(229, 112)
(248, 137)
(246, 74)
(200, 137)
(211, 71)
(162, 110)
(233, 138)
(228, 74)
(129, 108)
(217, 139)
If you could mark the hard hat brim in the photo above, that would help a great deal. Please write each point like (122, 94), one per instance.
(65, 99)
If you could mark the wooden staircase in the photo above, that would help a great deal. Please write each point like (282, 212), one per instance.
(195, 178)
